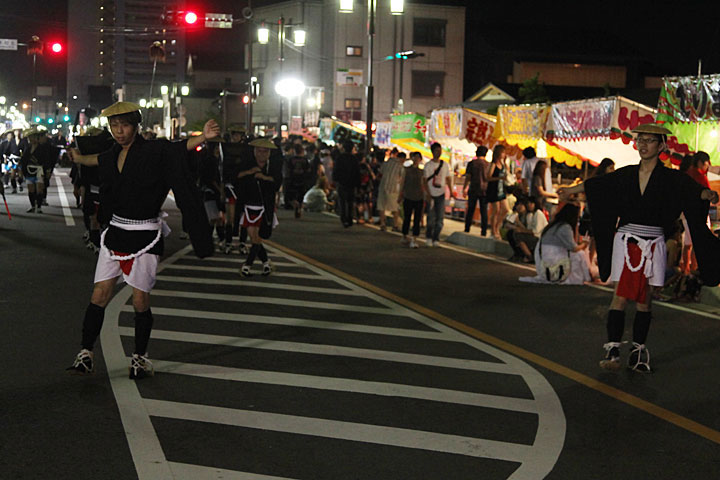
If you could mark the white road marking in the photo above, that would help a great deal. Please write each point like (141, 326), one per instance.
(235, 259)
(348, 385)
(195, 268)
(199, 472)
(273, 301)
(537, 459)
(250, 283)
(67, 213)
(330, 350)
(294, 322)
(357, 432)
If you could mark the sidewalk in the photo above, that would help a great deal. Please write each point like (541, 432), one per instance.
(453, 233)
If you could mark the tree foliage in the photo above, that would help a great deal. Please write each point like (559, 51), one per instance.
(532, 91)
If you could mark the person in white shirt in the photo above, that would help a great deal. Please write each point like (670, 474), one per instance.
(528, 167)
(437, 177)
(523, 238)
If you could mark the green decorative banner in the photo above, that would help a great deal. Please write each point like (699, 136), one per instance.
(409, 126)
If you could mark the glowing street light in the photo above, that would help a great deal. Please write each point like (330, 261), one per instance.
(185, 90)
(346, 6)
(290, 87)
(263, 34)
(299, 37)
(143, 102)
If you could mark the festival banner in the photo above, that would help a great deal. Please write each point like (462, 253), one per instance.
(517, 123)
(690, 99)
(383, 132)
(409, 126)
(446, 123)
(627, 116)
(478, 128)
(581, 119)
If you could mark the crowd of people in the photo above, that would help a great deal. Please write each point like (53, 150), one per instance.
(652, 241)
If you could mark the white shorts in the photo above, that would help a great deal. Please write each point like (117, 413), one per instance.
(654, 267)
(142, 272)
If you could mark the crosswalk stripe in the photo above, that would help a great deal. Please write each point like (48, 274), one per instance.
(250, 283)
(228, 259)
(348, 385)
(273, 301)
(294, 322)
(195, 268)
(319, 349)
(200, 472)
(357, 432)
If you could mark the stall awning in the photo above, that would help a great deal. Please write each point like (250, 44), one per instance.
(690, 108)
(523, 126)
(408, 133)
(598, 128)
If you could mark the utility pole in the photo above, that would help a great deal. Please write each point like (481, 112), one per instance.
(369, 90)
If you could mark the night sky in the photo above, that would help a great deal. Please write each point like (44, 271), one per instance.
(664, 38)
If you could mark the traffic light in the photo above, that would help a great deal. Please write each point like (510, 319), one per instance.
(178, 18)
(405, 55)
(246, 99)
(190, 18)
(56, 47)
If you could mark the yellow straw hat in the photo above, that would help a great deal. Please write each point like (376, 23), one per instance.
(119, 108)
(652, 128)
(263, 143)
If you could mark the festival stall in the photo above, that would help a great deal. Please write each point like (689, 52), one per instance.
(409, 135)
(690, 108)
(522, 126)
(334, 131)
(597, 128)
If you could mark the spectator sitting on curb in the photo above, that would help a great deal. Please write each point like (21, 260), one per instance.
(525, 235)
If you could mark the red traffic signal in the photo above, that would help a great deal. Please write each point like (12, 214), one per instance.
(246, 99)
(190, 18)
(56, 47)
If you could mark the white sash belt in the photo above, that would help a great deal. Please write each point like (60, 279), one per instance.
(159, 224)
(632, 231)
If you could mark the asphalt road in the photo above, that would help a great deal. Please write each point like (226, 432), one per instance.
(357, 358)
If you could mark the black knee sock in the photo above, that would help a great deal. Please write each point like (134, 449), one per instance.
(254, 250)
(32, 196)
(228, 232)
(220, 230)
(262, 254)
(13, 183)
(615, 325)
(92, 324)
(641, 326)
(243, 234)
(86, 221)
(95, 237)
(143, 327)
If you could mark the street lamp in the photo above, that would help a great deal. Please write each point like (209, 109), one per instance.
(299, 37)
(396, 8)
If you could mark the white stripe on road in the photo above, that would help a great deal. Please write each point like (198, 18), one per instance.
(67, 213)
(195, 268)
(273, 301)
(234, 259)
(333, 350)
(250, 283)
(348, 385)
(295, 322)
(356, 432)
(200, 472)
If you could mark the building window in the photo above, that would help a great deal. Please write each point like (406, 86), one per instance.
(353, 104)
(429, 32)
(428, 83)
(353, 51)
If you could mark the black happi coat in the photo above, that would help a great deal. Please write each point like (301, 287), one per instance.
(256, 192)
(42, 156)
(615, 200)
(151, 169)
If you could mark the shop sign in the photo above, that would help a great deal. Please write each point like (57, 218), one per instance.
(690, 99)
(296, 124)
(446, 123)
(478, 130)
(349, 77)
(582, 119)
(525, 121)
(326, 128)
(383, 133)
(409, 126)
